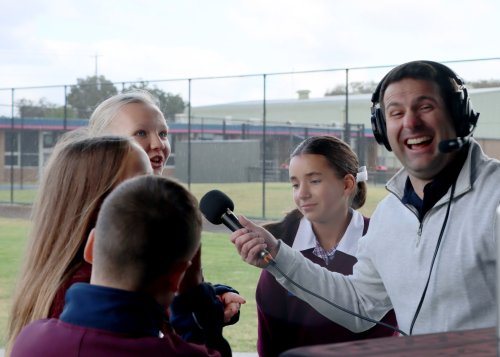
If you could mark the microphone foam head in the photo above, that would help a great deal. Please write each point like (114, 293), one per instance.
(447, 146)
(214, 204)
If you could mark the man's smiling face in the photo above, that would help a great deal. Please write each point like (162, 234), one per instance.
(417, 121)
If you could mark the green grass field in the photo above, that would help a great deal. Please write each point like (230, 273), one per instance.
(247, 197)
(12, 241)
(221, 263)
(19, 196)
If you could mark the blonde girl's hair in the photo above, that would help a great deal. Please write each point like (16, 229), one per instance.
(78, 176)
(106, 112)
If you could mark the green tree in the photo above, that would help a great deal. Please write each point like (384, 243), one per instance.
(170, 104)
(483, 83)
(354, 88)
(43, 109)
(88, 93)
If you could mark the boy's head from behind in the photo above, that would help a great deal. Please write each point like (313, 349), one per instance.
(148, 228)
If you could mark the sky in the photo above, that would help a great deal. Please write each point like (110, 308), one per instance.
(54, 42)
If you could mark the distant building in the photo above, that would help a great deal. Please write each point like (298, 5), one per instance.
(26, 143)
(331, 111)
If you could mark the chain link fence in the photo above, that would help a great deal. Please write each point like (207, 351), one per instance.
(231, 131)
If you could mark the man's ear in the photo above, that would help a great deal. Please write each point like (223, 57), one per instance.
(88, 252)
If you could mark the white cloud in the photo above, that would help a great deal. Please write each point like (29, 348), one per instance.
(54, 41)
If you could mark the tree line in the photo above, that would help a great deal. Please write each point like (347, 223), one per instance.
(88, 93)
(369, 87)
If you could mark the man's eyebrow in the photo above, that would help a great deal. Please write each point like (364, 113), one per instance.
(392, 104)
(426, 97)
(417, 100)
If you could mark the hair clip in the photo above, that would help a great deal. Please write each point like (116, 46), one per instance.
(362, 174)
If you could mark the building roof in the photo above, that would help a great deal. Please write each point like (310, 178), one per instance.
(331, 111)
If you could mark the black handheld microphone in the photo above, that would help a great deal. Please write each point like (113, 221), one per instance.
(447, 146)
(218, 208)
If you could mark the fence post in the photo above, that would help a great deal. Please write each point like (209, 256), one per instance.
(189, 135)
(12, 146)
(264, 147)
(65, 121)
(347, 131)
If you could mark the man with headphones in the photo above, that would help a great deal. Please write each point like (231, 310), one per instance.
(430, 251)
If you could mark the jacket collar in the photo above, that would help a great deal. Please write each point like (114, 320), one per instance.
(119, 311)
(306, 239)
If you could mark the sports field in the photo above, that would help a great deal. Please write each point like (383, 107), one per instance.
(221, 263)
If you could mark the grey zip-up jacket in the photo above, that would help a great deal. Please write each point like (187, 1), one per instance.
(394, 259)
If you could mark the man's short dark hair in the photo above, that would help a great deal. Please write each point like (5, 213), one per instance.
(435, 72)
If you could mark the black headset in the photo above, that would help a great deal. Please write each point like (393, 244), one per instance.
(464, 116)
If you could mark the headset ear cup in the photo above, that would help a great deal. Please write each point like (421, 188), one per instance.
(468, 117)
(379, 129)
(460, 114)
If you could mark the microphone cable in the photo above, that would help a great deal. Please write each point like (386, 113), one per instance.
(217, 208)
(272, 262)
